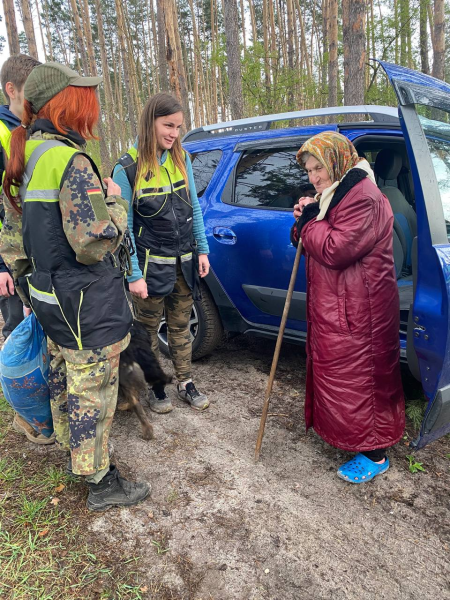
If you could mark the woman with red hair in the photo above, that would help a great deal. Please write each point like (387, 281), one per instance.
(62, 239)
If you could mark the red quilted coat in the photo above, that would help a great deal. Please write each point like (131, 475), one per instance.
(354, 396)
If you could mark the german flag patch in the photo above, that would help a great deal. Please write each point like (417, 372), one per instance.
(94, 190)
(97, 200)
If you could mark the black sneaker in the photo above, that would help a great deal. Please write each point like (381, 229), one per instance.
(192, 396)
(114, 490)
(158, 401)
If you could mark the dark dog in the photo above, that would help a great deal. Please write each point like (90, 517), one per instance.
(138, 369)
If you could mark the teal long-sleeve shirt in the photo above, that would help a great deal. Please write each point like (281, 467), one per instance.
(198, 227)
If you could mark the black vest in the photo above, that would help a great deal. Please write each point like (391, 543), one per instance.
(79, 306)
(162, 226)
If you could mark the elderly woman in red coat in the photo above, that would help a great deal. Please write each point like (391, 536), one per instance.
(354, 396)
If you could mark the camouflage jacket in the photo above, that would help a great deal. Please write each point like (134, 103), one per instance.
(92, 224)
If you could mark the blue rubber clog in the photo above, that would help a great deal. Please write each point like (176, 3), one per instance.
(361, 469)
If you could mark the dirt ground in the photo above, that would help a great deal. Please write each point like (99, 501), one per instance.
(218, 526)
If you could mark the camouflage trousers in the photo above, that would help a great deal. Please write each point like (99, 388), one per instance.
(177, 308)
(83, 396)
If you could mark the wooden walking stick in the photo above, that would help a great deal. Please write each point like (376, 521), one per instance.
(277, 349)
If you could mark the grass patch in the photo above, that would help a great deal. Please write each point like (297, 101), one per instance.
(45, 549)
(6, 413)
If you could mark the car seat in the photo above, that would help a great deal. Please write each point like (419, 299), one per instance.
(388, 165)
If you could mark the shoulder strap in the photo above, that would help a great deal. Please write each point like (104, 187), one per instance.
(127, 162)
(32, 161)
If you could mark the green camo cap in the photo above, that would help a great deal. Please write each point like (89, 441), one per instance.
(47, 80)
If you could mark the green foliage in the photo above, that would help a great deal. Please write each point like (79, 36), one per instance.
(415, 411)
(160, 547)
(414, 467)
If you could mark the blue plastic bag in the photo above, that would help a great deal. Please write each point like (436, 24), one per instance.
(24, 364)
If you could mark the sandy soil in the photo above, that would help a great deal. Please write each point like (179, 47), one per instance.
(218, 526)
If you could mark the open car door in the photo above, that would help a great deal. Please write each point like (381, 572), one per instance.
(424, 111)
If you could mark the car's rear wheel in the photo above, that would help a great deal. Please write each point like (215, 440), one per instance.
(205, 327)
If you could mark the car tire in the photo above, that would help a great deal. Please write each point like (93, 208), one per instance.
(205, 325)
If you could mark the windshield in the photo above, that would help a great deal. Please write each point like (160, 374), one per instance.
(436, 125)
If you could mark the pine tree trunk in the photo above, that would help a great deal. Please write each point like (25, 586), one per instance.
(253, 20)
(282, 31)
(80, 37)
(397, 26)
(197, 67)
(291, 50)
(213, 6)
(29, 29)
(171, 51)
(11, 27)
(181, 69)
(353, 18)
(109, 103)
(47, 30)
(244, 34)
(147, 54)
(132, 62)
(125, 69)
(74, 43)
(403, 37)
(88, 37)
(325, 51)
(104, 152)
(156, 85)
(333, 53)
(425, 64)
(162, 51)
(408, 28)
(372, 27)
(206, 87)
(439, 40)
(41, 31)
(303, 43)
(267, 69)
(231, 21)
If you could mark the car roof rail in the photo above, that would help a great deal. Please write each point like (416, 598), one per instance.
(378, 114)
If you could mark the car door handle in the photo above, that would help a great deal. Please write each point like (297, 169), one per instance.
(224, 235)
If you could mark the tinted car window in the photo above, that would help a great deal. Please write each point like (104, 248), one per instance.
(269, 178)
(203, 165)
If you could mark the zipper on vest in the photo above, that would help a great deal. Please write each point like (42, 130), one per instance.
(77, 337)
(173, 211)
(33, 263)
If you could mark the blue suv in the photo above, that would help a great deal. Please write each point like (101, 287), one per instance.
(248, 181)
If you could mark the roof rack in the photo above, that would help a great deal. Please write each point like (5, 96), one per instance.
(378, 114)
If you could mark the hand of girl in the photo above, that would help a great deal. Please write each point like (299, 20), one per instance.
(112, 189)
(139, 288)
(203, 265)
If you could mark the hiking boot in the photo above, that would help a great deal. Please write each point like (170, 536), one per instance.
(192, 396)
(114, 490)
(159, 402)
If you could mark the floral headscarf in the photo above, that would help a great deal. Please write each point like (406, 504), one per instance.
(334, 151)
(338, 155)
